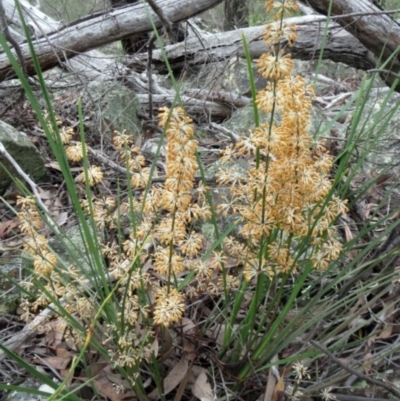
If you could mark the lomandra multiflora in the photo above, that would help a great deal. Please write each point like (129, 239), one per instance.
(285, 197)
(282, 205)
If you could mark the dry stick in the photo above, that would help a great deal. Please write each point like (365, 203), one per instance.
(14, 343)
(382, 71)
(33, 186)
(164, 20)
(8, 36)
(235, 137)
(360, 375)
(14, 43)
(149, 75)
(170, 31)
(362, 14)
(30, 330)
(345, 397)
(99, 156)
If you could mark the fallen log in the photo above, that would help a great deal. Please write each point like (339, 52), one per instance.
(99, 29)
(95, 65)
(340, 46)
(374, 27)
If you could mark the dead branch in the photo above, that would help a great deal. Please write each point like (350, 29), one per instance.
(99, 29)
(371, 25)
(340, 46)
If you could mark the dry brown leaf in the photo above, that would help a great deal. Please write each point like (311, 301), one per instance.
(349, 236)
(346, 361)
(187, 325)
(62, 218)
(56, 166)
(202, 389)
(53, 165)
(367, 363)
(65, 373)
(107, 382)
(122, 210)
(115, 377)
(173, 378)
(63, 352)
(189, 347)
(387, 331)
(106, 389)
(55, 334)
(147, 382)
(270, 388)
(360, 302)
(384, 179)
(279, 390)
(57, 362)
(217, 333)
(95, 368)
(198, 370)
(10, 244)
(6, 228)
(45, 194)
(166, 345)
(154, 348)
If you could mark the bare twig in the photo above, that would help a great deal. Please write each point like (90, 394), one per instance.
(7, 34)
(15, 342)
(383, 71)
(222, 129)
(149, 74)
(364, 14)
(9, 38)
(346, 397)
(164, 20)
(393, 390)
(33, 186)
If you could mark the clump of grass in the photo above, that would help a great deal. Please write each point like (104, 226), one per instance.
(141, 282)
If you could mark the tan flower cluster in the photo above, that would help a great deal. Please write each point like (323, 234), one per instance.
(168, 307)
(168, 214)
(282, 197)
(134, 161)
(76, 152)
(175, 199)
(132, 348)
(44, 260)
(102, 210)
(35, 244)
